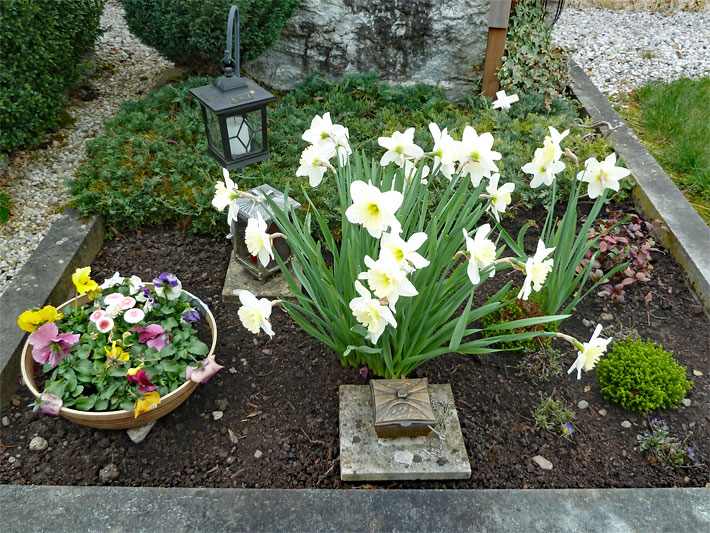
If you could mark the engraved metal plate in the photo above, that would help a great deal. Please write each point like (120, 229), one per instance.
(402, 407)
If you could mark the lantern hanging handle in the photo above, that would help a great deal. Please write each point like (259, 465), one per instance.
(232, 41)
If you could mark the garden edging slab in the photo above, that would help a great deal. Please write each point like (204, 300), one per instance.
(656, 195)
(71, 242)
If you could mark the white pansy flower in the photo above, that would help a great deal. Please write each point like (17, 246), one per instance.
(387, 280)
(254, 313)
(134, 285)
(481, 253)
(536, 270)
(604, 175)
(371, 313)
(315, 161)
(475, 154)
(500, 196)
(373, 208)
(257, 240)
(400, 147)
(114, 280)
(444, 151)
(404, 252)
(224, 192)
(590, 353)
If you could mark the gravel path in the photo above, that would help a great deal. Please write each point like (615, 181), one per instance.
(35, 179)
(621, 50)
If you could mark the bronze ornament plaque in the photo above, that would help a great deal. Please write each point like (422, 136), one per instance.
(402, 407)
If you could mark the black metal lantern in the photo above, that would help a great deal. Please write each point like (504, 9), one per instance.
(248, 208)
(234, 110)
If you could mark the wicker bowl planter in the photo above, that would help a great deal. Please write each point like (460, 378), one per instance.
(121, 419)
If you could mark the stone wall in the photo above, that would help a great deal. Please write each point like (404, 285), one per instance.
(406, 41)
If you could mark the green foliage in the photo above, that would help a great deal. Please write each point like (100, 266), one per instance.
(553, 415)
(149, 166)
(532, 63)
(642, 376)
(42, 43)
(5, 207)
(192, 32)
(541, 364)
(517, 310)
(668, 450)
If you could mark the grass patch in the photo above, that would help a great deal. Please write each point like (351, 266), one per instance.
(673, 122)
(4, 208)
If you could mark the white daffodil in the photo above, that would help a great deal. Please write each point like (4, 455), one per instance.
(604, 175)
(373, 208)
(475, 154)
(551, 145)
(410, 170)
(224, 192)
(399, 148)
(444, 151)
(404, 252)
(257, 240)
(387, 280)
(315, 161)
(371, 313)
(504, 101)
(546, 163)
(324, 133)
(481, 253)
(254, 313)
(114, 280)
(590, 353)
(536, 270)
(500, 196)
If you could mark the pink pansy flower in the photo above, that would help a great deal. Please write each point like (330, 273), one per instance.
(203, 371)
(104, 324)
(50, 345)
(50, 404)
(144, 382)
(114, 298)
(97, 315)
(127, 302)
(133, 316)
(153, 336)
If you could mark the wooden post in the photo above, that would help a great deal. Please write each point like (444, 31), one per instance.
(497, 28)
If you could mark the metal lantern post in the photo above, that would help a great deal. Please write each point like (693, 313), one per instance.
(234, 110)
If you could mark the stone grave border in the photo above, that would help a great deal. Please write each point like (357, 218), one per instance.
(74, 241)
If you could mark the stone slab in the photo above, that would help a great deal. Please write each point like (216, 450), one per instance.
(170, 510)
(365, 457)
(238, 278)
(656, 195)
(45, 278)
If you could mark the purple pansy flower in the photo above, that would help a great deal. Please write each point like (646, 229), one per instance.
(144, 382)
(204, 370)
(50, 404)
(567, 430)
(50, 345)
(167, 285)
(191, 316)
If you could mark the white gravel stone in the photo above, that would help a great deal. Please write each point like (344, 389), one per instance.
(35, 179)
(686, 402)
(543, 463)
(622, 50)
(602, 412)
(38, 444)
(626, 424)
(5, 421)
(258, 454)
(217, 415)
(583, 404)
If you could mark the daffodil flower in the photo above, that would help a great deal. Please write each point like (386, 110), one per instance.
(500, 196)
(254, 313)
(410, 170)
(323, 133)
(588, 353)
(444, 151)
(373, 208)
(536, 270)
(387, 280)
(315, 161)
(257, 240)
(148, 402)
(400, 147)
(224, 191)
(371, 313)
(481, 253)
(604, 175)
(546, 162)
(475, 154)
(404, 252)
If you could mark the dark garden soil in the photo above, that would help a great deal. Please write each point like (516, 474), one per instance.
(280, 400)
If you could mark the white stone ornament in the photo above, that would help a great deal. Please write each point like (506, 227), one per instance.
(504, 101)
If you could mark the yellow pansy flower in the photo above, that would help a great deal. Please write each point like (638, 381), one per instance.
(32, 319)
(83, 282)
(134, 371)
(115, 354)
(150, 401)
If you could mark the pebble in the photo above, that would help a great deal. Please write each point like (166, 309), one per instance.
(583, 404)
(258, 454)
(606, 317)
(38, 444)
(586, 323)
(108, 473)
(686, 402)
(602, 412)
(622, 50)
(11, 459)
(697, 373)
(5, 421)
(138, 435)
(217, 414)
(626, 424)
(543, 463)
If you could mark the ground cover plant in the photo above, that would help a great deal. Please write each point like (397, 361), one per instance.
(673, 122)
(149, 166)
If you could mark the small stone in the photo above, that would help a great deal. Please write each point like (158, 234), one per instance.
(108, 473)
(586, 323)
(258, 454)
(11, 459)
(686, 402)
(626, 424)
(543, 463)
(697, 373)
(602, 412)
(138, 435)
(217, 414)
(583, 404)
(244, 362)
(38, 444)
(5, 421)
(404, 457)
(232, 370)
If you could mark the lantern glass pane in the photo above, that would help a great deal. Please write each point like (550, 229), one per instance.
(244, 133)
(214, 138)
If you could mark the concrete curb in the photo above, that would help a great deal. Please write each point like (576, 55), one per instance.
(215, 510)
(71, 242)
(656, 195)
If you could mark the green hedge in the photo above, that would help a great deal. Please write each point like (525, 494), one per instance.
(192, 32)
(149, 166)
(42, 43)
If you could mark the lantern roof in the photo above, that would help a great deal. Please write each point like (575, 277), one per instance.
(244, 95)
(248, 207)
